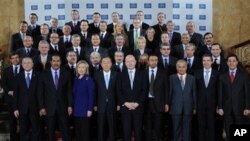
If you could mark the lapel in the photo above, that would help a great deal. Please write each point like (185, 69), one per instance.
(181, 50)
(32, 79)
(51, 79)
(23, 80)
(111, 79)
(179, 82)
(236, 77)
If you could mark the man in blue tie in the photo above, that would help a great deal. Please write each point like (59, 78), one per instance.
(26, 102)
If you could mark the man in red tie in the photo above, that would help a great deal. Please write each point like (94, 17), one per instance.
(234, 96)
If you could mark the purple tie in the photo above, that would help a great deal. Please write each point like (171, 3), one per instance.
(56, 79)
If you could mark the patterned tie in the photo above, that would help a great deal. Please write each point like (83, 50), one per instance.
(206, 78)
(182, 82)
(27, 79)
(232, 77)
(56, 79)
(131, 78)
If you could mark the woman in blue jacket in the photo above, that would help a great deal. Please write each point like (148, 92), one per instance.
(83, 100)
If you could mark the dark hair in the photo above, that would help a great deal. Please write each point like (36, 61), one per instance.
(74, 10)
(164, 44)
(152, 55)
(71, 51)
(207, 55)
(233, 55)
(207, 33)
(106, 57)
(217, 44)
(55, 55)
(96, 13)
(34, 14)
(83, 20)
(13, 54)
(23, 22)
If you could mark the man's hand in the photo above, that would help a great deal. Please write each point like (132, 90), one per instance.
(135, 105)
(89, 113)
(69, 110)
(166, 108)
(194, 111)
(128, 105)
(220, 112)
(42, 112)
(246, 112)
(16, 113)
(95, 108)
(11, 93)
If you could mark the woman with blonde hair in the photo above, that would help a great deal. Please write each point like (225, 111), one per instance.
(83, 100)
(119, 29)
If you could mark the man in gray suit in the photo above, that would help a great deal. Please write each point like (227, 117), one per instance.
(182, 101)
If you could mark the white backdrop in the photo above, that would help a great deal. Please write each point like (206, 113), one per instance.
(180, 11)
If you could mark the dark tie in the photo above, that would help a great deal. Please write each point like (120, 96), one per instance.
(33, 27)
(215, 66)
(189, 63)
(232, 77)
(74, 25)
(54, 30)
(66, 40)
(56, 48)
(27, 51)
(165, 62)
(151, 86)
(77, 51)
(102, 36)
(56, 79)
(84, 36)
(119, 67)
(27, 79)
(15, 70)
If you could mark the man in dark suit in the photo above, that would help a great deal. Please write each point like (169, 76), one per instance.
(65, 40)
(17, 38)
(182, 101)
(208, 42)
(160, 26)
(167, 62)
(139, 15)
(234, 97)
(141, 48)
(116, 19)
(34, 28)
(106, 90)
(94, 27)
(95, 40)
(44, 30)
(179, 51)
(71, 63)
(74, 24)
(174, 37)
(134, 33)
(26, 102)
(76, 40)
(219, 62)
(156, 101)
(207, 94)
(193, 62)
(55, 98)
(164, 40)
(56, 48)
(195, 38)
(85, 34)
(41, 61)
(28, 50)
(8, 79)
(119, 65)
(119, 46)
(132, 92)
(95, 63)
(104, 35)
(54, 27)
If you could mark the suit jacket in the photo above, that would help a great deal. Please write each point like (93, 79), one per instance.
(137, 53)
(71, 71)
(26, 99)
(222, 67)
(176, 39)
(110, 28)
(39, 38)
(197, 64)
(64, 44)
(182, 101)
(197, 40)
(137, 94)
(144, 26)
(58, 31)
(206, 96)
(234, 97)
(87, 41)
(82, 53)
(126, 50)
(160, 90)
(103, 52)
(106, 41)
(178, 51)
(117, 69)
(16, 42)
(8, 83)
(34, 32)
(53, 99)
(93, 29)
(93, 70)
(159, 30)
(106, 99)
(171, 68)
(22, 52)
(38, 66)
(131, 37)
(76, 29)
(61, 52)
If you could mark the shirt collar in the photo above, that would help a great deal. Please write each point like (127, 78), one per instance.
(207, 69)
(155, 69)
(30, 72)
(133, 70)
(106, 73)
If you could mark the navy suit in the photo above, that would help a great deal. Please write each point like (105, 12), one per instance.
(182, 103)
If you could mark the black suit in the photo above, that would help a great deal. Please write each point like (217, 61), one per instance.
(234, 98)
(93, 70)
(85, 41)
(106, 40)
(22, 52)
(155, 105)
(197, 40)
(126, 50)
(103, 52)
(34, 32)
(106, 104)
(117, 68)
(159, 30)
(171, 67)
(132, 119)
(56, 30)
(93, 29)
(137, 53)
(131, 37)
(222, 67)
(71, 71)
(26, 102)
(206, 104)
(182, 103)
(176, 39)
(76, 29)
(65, 44)
(144, 26)
(178, 51)
(38, 66)
(80, 55)
(8, 80)
(16, 42)
(39, 38)
(61, 51)
(197, 64)
(56, 101)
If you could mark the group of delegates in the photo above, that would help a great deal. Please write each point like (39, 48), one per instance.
(149, 83)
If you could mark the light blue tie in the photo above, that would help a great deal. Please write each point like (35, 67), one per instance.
(107, 81)
(27, 79)
(206, 78)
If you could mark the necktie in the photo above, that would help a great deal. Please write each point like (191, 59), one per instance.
(27, 79)
(107, 81)
(84, 36)
(119, 67)
(189, 63)
(77, 51)
(74, 25)
(56, 48)
(206, 78)
(15, 70)
(131, 79)
(232, 76)
(66, 40)
(136, 40)
(102, 36)
(209, 48)
(27, 51)
(95, 49)
(182, 82)
(151, 86)
(56, 79)
(54, 30)
(215, 66)
(184, 51)
(170, 36)
(33, 27)
(43, 60)
(165, 62)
